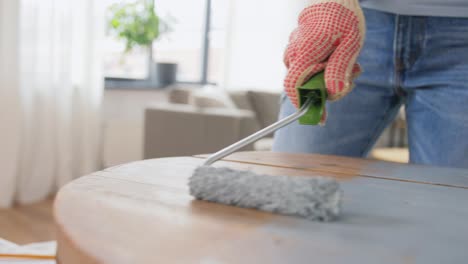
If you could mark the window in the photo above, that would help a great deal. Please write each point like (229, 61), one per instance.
(217, 43)
(197, 49)
(117, 64)
(184, 44)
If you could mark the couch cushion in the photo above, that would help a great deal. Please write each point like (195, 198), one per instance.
(179, 95)
(241, 100)
(211, 96)
(266, 105)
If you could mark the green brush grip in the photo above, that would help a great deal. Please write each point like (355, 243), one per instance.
(316, 89)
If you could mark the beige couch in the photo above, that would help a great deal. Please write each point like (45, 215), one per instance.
(195, 122)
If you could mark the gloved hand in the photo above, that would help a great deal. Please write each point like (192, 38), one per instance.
(329, 36)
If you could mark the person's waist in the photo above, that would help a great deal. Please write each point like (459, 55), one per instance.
(442, 8)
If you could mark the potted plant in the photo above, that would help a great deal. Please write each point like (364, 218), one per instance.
(138, 24)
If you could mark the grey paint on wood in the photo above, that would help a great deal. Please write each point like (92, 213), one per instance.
(385, 222)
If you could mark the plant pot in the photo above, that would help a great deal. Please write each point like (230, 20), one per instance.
(166, 73)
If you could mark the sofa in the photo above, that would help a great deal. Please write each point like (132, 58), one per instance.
(197, 121)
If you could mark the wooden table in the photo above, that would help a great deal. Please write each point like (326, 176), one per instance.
(142, 213)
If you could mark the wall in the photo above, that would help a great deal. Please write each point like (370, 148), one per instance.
(123, 112)
(258, 32)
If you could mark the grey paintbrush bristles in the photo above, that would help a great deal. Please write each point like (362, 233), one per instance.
(314, 198)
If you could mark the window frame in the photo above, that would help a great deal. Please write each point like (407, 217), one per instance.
(149, 84)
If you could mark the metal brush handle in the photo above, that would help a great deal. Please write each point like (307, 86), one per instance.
(260, 134)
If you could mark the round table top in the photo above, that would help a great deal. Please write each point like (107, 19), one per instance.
(142, 213)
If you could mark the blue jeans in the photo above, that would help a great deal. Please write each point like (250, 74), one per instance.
(421, 62)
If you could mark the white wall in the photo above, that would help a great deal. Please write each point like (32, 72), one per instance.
(123, 112)
(258, 33)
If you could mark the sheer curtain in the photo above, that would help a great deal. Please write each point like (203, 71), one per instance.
(51, 89)
(258, 32)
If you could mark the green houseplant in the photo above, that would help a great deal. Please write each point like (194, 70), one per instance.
(137, 24)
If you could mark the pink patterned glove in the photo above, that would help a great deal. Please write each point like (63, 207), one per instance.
(329, 36)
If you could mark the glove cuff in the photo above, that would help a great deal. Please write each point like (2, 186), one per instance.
(352, 5)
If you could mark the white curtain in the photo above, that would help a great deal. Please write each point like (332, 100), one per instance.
(258, 32)
(51, 89)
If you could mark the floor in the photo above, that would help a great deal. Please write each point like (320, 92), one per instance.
(400, 155)
(27, 224)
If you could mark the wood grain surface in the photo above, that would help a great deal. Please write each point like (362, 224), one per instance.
(142, 213)
(358, 167)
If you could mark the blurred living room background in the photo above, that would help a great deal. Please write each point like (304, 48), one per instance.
(85, 85)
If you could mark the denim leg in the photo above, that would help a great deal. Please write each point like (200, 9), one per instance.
(437, 94)
(356, 121)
